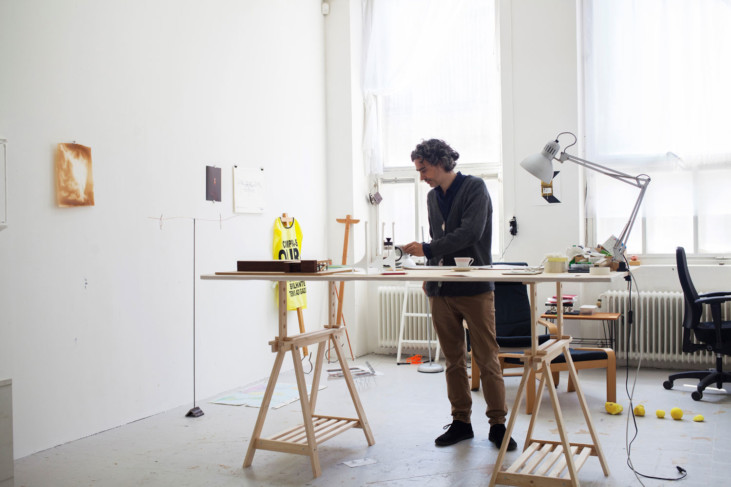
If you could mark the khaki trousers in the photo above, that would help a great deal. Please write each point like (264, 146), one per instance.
(479, 313)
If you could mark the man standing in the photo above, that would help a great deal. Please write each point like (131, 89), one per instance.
(460, 225)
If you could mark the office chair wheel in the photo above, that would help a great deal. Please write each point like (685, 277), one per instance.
(696, 395)
(668, 384)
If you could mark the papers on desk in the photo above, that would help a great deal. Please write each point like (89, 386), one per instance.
(498, 267)
(525, 271)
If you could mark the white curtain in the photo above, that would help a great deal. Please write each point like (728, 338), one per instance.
(417, 59)
(658, 101)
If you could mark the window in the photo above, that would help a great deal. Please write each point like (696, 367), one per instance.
(431, 71)
(403, 214)
(656, 78)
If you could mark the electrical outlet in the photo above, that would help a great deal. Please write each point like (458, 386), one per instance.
(513, 226)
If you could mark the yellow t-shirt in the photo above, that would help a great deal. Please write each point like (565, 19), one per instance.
(287, 242)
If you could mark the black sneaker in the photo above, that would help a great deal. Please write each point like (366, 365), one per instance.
(458, 431)
(497, 435)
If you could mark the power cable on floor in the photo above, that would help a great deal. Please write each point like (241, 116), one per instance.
(630, 393)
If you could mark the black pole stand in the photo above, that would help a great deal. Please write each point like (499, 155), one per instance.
(195, 411)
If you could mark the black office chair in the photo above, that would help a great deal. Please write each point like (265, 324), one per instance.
(714, 336)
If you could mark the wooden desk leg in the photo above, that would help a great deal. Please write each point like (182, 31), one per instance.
(306, 413)
(267, 399)
(301, 319)
(353, 392)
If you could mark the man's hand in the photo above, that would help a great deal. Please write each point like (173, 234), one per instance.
(413, 248)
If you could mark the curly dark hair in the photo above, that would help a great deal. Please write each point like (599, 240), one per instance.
(436, 153)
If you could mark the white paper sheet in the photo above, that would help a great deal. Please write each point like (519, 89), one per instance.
(248, 189)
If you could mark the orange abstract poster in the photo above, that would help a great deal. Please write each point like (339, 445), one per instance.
(74, 181)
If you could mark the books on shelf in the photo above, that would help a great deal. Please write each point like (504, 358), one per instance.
(569, 301)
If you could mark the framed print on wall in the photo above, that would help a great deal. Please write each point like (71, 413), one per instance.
(74, 179)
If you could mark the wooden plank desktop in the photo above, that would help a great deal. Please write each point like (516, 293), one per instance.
(571, 455)
(446, 275)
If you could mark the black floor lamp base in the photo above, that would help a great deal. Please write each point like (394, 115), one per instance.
(194, 413)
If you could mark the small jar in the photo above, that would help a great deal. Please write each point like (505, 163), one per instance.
(555, 264)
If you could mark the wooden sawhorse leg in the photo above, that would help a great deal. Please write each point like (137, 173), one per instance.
(264, 408)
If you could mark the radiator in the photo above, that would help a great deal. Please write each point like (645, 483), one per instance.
(390, 304)
(657, 332)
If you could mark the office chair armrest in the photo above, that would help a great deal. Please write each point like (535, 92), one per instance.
(709, 299)
(715, 294)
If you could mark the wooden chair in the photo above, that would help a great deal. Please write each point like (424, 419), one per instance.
(512, 320)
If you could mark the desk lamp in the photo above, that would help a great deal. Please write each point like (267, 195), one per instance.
(541, 166)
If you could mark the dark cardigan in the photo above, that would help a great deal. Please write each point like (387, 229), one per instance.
(466, 233)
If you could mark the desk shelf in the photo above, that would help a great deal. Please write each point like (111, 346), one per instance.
(294, 440)
(609, 321)
(544, 462)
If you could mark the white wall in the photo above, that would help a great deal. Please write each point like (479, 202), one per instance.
(96, 302)
(540, 83)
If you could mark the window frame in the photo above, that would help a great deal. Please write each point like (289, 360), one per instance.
(491, 172)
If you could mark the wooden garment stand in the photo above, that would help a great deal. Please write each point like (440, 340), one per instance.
(544, 462)
(348, 221)
(316, 428)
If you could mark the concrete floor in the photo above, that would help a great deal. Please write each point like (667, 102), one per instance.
(406, 410)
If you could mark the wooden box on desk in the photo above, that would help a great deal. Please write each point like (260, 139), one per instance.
(307, 266)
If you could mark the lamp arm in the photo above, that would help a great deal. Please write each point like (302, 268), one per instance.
(637, 181)
(622, 239)
(641, 181)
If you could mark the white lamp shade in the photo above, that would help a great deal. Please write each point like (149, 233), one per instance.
(541, 165)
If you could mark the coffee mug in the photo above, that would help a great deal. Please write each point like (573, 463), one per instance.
(463, 261)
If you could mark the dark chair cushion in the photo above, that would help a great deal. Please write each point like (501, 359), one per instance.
(519, 341)
(582, 356)
(706, 332)
(512, 310)
(576, 356)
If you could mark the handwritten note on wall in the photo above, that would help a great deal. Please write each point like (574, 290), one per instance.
(248, 190)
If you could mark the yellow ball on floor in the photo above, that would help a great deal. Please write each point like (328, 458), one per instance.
(660, 413)
(639, 410)
(698, 418)
(676, 413)
(613, 407)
